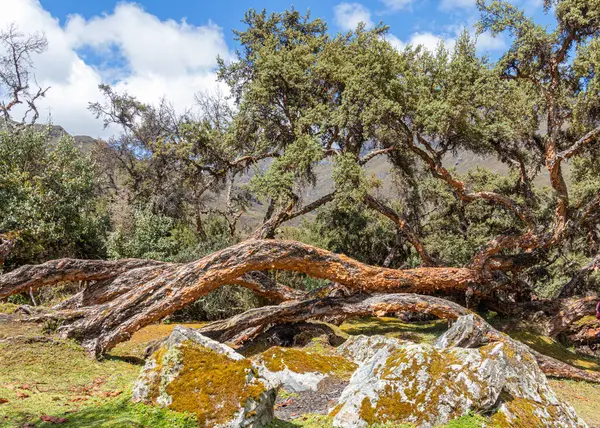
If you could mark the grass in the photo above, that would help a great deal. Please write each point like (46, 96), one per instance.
(583, 396)
(419, 332)
(58, 379)
(548, 346)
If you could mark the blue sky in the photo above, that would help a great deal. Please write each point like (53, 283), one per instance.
(167, 48)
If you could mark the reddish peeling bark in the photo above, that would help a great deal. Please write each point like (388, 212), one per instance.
(32, 277)
(567, 320)
(106, 325)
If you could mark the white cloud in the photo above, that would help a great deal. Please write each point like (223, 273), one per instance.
(156, 58)
(486, 42)
(457, 4)
(395, 42)
(349, 15)
(431, 41)
(395, 5)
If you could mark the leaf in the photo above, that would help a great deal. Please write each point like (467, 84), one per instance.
(3, 401)
(21, 395)
(53, 419)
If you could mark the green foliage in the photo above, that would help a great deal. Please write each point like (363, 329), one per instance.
(49, 198)
(159, 237)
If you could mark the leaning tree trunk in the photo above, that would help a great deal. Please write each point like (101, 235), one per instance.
(105, 325)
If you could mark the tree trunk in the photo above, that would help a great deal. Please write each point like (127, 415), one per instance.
(32, 277)
(240, 328)
(106, 325)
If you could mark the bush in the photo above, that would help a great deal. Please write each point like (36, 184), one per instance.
(49, 198)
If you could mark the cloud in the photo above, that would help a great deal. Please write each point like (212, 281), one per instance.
(348, 15)
(129, 47)
(396, 5)
(487, 42)
(431, 41)
(395, 42)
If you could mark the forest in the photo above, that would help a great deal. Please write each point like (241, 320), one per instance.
(338, 177)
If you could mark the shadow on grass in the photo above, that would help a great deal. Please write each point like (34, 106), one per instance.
(137, 361)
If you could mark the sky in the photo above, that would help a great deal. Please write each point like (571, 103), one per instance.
(158, 48)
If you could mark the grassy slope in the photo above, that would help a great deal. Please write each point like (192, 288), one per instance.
(59, 380)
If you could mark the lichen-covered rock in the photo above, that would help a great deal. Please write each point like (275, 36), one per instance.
(427, 385)
(298, 370)
(362, 348)
(192, 373)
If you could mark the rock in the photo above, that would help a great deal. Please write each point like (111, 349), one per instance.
(298, 370)
(190, 372)
(428, 385)
(362, 348)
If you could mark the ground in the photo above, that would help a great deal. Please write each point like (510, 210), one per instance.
(43, 377)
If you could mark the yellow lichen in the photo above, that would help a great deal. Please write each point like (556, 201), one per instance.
(209, 385)
(522, 413)
(277, 359)
(336, 410)
(418, 397)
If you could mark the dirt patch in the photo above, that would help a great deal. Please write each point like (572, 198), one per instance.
(292, 406)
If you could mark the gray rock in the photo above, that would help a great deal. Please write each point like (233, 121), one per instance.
(429, 385)
(190, 372)
(299, 370)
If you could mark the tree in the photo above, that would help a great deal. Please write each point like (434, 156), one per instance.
(16, 73)
(305, 99)
(48, 199)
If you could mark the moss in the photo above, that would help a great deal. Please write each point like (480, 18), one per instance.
(277, 359)
(523, 415)
(587, 320)
(8, 308)
(209, 385)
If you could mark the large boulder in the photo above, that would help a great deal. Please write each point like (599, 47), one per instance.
(427, 385)
(192, 373)
(299, 370)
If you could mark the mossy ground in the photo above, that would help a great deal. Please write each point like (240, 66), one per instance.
(419, 332)
(61, 380)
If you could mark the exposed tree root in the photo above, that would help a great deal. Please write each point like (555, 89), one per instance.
(243, 327)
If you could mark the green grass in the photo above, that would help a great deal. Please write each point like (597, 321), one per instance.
(548, 346)
(583, 396)
(419, 332)
(122, 413)
(58, 379)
